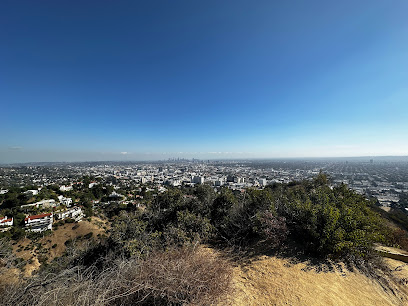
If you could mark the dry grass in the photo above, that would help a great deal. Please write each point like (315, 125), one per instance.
(68, 231)
(53, 245)
(200, 276)
(179, 276)
(9, 272)
(270, 280)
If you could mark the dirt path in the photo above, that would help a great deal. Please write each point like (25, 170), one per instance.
(275, 281)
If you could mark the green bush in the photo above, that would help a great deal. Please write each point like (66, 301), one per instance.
(187, 229)
(75, 226)
(88, 236)
(131, 234)
(330, 221)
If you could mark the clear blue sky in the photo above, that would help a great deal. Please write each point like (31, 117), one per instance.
(98, 80)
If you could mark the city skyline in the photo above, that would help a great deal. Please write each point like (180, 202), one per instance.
(235, 79)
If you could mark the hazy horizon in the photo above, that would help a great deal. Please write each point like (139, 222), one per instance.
(110, 157)
(133, 80)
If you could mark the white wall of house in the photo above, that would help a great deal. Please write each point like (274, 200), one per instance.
(74, 213)
(4, 222)
(39, 224)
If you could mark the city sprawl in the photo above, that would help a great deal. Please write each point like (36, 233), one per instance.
(384, 179)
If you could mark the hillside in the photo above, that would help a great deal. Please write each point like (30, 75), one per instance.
(54, 245)
(302, 243)
(269, 280)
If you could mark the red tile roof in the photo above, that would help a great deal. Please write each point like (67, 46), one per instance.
(7, 220)
(37, 216)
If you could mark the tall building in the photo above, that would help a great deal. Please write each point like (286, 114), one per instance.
(198, 179)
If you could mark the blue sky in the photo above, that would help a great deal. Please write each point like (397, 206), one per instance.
(99, 80)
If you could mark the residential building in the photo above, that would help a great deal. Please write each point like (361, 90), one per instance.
(39, 223)
(262, 182)
(66, 188)
(41, 204)
(5, 223)
(73, 213)
(65, 201)
(32, 191)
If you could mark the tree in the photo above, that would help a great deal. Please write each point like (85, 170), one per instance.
(11, 200)
(205, 198)
(403, 200)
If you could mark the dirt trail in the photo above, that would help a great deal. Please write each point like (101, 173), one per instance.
(269, 280)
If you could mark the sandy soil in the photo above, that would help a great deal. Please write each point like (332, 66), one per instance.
(269, 280)
(391, 249)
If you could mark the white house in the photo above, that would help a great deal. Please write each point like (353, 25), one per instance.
(39, 223)
(5, 223)
(116, 195)
(66, 188)
(91, 184)
(66, 201)
(74, 213)
(262, 182)
(33, 191)
(42, 204)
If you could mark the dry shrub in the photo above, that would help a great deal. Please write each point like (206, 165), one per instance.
(273, 228)
(180, 276)
(6, 254)
(399, 238)
(9, 271)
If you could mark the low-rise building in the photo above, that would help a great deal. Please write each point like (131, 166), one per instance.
(5, 223)
(65, 201)
(262, 182)
(91, 184)
(115, 195)
(66, 188)
(73, 213)
(32, 191)
(41, 204)
(39, 223)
